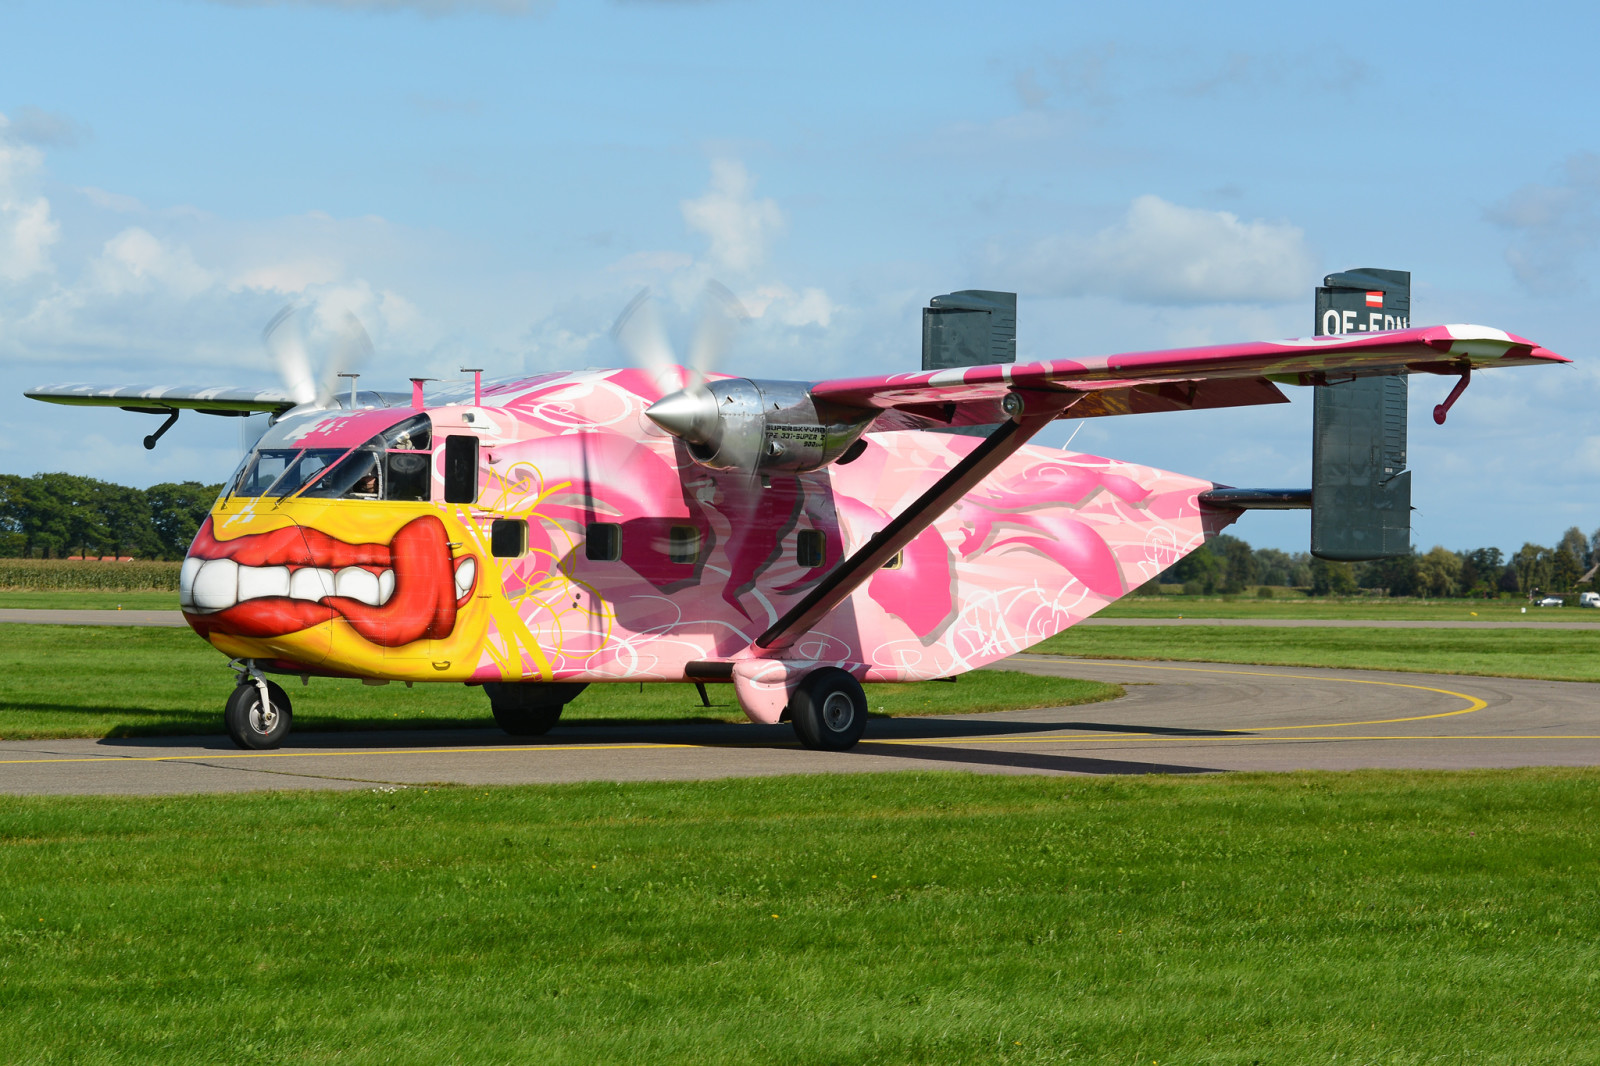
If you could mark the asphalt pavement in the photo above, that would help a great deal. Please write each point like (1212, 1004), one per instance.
(1180, 718)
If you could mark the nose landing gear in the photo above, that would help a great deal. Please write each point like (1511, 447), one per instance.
(258, 713)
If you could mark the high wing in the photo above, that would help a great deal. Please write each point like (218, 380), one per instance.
(1226, 375)
(165, 399)
(1222, 375)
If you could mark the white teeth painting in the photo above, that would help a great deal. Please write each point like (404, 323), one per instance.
(209, 585)
(464, 576)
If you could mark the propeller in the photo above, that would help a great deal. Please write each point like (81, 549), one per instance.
(638, 331)
(285, 337)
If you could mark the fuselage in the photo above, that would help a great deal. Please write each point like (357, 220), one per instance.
(564, 536)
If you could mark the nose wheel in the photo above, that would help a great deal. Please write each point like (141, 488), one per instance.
(257, 714)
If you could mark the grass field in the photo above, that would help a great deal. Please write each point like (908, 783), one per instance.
(1548, 654)
(94, 601)
(95, 681)
(1396, 918)
(1354, 608)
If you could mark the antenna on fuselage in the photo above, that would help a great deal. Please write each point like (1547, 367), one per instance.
(416, 391)
(352, 378)
(477, 383)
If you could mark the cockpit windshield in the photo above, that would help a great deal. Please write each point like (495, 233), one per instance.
(394, 465)
(282, 471)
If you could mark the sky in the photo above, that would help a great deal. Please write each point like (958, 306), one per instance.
(490, 182)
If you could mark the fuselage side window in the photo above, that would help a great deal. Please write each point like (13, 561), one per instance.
(602, 541)
(810, 549)
(508, 537)
(683, 544)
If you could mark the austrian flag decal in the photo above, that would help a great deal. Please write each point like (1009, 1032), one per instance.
(1374, 299)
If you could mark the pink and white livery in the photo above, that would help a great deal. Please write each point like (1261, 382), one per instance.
(795, 538)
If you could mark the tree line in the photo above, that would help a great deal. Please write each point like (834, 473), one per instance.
(56, 515)
(1228, 565)
(52, 516)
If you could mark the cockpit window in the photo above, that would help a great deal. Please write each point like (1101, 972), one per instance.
(282, 471)
(394, 465)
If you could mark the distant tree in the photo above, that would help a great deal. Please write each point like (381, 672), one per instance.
(1575, 542)
(1566, 566)
(1238, 562)
(176, 511)
(1480, 571)
(1200, 571)
(1437, 572)
(1395, 577)
(1509, 581)
(1331, 578)
(1274, 567)
(123, 520)
(1532, 567)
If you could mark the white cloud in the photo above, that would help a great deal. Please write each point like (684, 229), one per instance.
(32, 125)
(136, 261)
(1165, 254)
(1554, 226)
(27, 229)
(739, 226)
(113, 201)
(286, 278)
(779, 303)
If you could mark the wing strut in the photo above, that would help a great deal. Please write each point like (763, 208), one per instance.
(1033, 410)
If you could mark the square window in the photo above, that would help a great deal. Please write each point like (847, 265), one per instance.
(896, 561)
(602, 541)
(508, 538)
(683, 544)
(810, 549)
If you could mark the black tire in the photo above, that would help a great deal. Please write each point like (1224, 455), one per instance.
(249, 727)
(829, 710)
(530, 708)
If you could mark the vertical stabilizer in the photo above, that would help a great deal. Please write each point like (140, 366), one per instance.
(1360, 487)
(973, 327)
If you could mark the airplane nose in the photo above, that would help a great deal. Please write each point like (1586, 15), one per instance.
(689, 414)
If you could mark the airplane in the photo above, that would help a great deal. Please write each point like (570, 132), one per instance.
(539, 534)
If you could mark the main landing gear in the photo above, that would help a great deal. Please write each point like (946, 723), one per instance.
(829, 710)
(530, 708)
(257, 714)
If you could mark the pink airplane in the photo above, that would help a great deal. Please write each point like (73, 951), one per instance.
(794, 538)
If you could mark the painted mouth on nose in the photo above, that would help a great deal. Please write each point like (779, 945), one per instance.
(290, 579)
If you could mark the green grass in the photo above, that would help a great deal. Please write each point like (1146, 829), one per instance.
(1548, 654)
(97, 681)
(1355, 608)
(1373, 917)
(89, 601)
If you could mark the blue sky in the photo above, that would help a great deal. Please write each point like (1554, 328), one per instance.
(489, 184)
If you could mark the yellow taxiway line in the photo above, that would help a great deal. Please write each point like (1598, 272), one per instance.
(1474, 703)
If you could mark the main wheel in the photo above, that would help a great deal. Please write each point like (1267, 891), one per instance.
(252, 724)
(829, 710)
(530, 708)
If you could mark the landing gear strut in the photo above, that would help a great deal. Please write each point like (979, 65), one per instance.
(257, 714)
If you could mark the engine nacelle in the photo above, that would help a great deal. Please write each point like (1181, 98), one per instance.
(762, 427)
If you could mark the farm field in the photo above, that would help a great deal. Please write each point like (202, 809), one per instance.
(97, 681)
(1305, 918)
(1550, 655)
